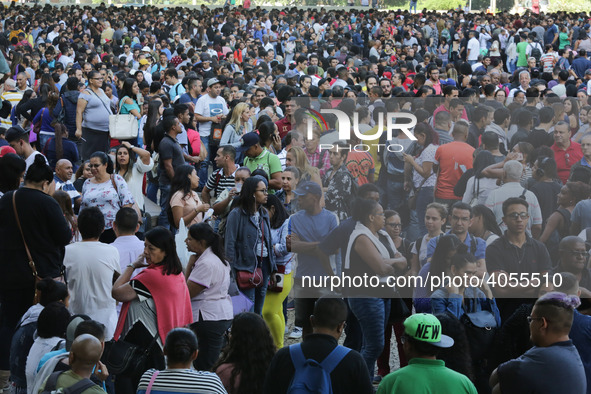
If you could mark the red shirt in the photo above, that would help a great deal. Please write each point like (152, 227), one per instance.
(454, 159)
(565, 158)
(284, 126)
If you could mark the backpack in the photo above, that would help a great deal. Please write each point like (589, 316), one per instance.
(535, 52)
(310, 375)
(77, 388)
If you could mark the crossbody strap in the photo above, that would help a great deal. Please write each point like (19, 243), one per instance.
(152, 379)
(102, 102)
(18, 223)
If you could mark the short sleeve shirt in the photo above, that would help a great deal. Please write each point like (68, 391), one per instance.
(169, 149)
(106, 198)
(266, 161)
(189, 203)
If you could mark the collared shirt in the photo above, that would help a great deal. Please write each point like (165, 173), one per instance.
(319, 160)
(565, 158)
(284, 126)
(531, 257)
(496, 197)
(479, 253)
(66, 186)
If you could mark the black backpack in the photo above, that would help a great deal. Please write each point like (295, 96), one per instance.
(77, 388)
(535, 52)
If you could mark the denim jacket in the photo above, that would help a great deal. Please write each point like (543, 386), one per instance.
(240, 240)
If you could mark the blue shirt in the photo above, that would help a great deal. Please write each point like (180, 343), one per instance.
(580, 65)
(580, 334)
(310, 228)
(480, 246)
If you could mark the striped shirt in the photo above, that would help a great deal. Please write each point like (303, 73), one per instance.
(181, 381)
(14, 97)
(218, 182)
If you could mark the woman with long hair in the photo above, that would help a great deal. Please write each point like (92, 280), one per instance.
(184, 202)
(83, 173)
(571, 109)
(238, 125)
(478, 186)
(46, 78)
(60, 147)
(248, 242)
(269, 136)
(128, 103)
(484, 224)
(12, 171)
(44, 118)
(244, 362)
(131, 163)
(435, 217)
(273, 307)
(154, 302)
(152, 136)
(297, 157)
(423, 176)
(65, 202)
(208, 280)
(458, 356)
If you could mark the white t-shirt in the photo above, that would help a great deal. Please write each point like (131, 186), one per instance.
(89, 269)
(31, 159)
(473, 48)
(207, 106)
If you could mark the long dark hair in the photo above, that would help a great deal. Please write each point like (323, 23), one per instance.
(280, 215)
(26, 97)
(180, 182)
(163, 239)
(39, 171)
(482, 160)
(132, 159)
(431, 137)
(127, 90)
(250, 350)
(246, 199)
(12, 167)
(104, 160)
(51, 291)
(488, 218)
(445, 245)
(150, 127)
(458, 356)
(204, 232)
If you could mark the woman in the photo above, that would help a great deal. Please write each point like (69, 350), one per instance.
(269, 135)
(154, 302)
(208, 280)
(371, 251)
(447, 247)
(107, 191)
(571, 109)
(423, 176)
(59, 147)
(484, 224)
(296, 157)
(45, 119)
(128, 103)
(501, 96)
(443, 52)
(12, 171)
(51, 335)
(237, 126)
(478, 186)
(181, 349)
(546, 187)
(244, 362)
(185, 203)
(584, 125)
(290, 177)
(131, 163)
(83, 173)
(558, 223)
(50, 291)
(92, 116)
(273, 306)
(248, 242)
(339, 185)
(65, 202)
(20, 120)
(30, 108)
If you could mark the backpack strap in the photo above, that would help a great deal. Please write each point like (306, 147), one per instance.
(297, 355)
(79, 387)
(51, 383)
(334, 358)
(523, 194)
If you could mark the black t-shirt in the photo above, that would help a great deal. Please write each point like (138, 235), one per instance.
(546, 193)
(169, 148)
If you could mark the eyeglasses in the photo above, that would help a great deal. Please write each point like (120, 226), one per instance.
(576, 253)
(517, 215)
(264, 191)
(95, 165)
(531, 318)
(98, 79)
(395, 225)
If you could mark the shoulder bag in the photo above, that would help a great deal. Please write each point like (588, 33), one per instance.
(251, 280)
(125, 358)
(123, 127)
(31, 262)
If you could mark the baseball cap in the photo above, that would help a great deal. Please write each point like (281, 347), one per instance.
(587, 72)
(144, 62)
(13, 133)
(212, 81)
(425, 327)
(146, 49)
(308, 187)
(291, 74)
(71, 329)
(248, 140)
(324, 80)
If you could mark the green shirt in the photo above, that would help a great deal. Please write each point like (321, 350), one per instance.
(426, 376)
(563, 40)
(68, 379)
(522, 55)
(266, 161)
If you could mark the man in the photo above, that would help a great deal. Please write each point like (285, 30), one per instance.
(257, 157)
(442, 125)
(309, 227)
(573, 259)
(126, 225)
(21, 83)
(223, 178)
(62, 176)
(386, 86)
(525, 122)
(515, 252)
(13, 96)
(144, 64)
(171, 156)
(66, 107)
(210, 110)
(499, 126)
(512, 171)
(553, 365)
(92, 267)
(433, 80)
(85, 354)
(193, 94)
(586, 150)
(453, 159)
(18, 139)
(580, 65)
(460, 219)
(481, 117)
(450, 99)
(328, 323)
(171, 78)
(473, 49)
(293, 138)
(490, 142)
(560, 88)
(286, 124)
(422, 340)
(566, 152)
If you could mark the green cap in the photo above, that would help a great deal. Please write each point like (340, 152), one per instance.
(426, 328)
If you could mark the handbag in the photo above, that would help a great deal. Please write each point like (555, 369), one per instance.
(216, 133)
(123, 127)
(31, 262)
(124, 358)
(37, 126)
(481, 328)
(251, 280)
(279, 280)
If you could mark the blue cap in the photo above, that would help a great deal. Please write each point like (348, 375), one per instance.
(248, 140)
(308, 187)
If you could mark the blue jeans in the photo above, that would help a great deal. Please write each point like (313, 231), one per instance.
(152, 191)
(512, 66)
(396, 194)
(164, 195)
(257, 294)
(424, 198)
(413, 4)
(42, 139)
(372, 314)
(204, 165)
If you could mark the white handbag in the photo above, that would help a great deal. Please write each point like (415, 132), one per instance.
(123, 127)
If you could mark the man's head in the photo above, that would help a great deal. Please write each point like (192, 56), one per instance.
(552, 318)
(456, 109)
(214, 87)
(422, 337)
(460, 218)
(293, 138)
(329, 316)
(573, 254)
(515, 215)
(460, 131)
(91, 223)
(21, 81)
(586, 145)
(225, 156)
(442, 120)
(18, 139)
(309, 195)
(251, 144)
(85, 353)
(524, 79)
(64, 170)
(512, 171)
(562, 134)
(126, 222)
(171, 125)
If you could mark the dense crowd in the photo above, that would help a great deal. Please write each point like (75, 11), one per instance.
(230, 123)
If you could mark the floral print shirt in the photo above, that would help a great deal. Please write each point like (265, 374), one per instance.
(108, 199)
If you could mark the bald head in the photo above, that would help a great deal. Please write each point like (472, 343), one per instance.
(64, 169)
(85, 352)
(570, 242)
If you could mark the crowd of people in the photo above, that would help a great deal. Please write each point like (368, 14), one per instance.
(233, 132)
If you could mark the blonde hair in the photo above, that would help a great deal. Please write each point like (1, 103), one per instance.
(301, 162)
(237, 114)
